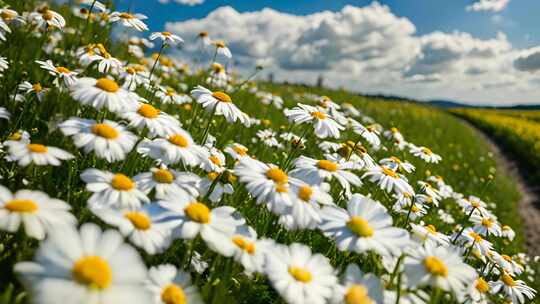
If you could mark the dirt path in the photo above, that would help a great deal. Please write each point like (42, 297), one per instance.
(529, 205)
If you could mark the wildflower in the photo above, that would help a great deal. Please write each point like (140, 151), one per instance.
(103, 93)
(425, 154)
(220, 104)
(508, 232)
(268, 138)
(304, 212)
(48, 18)
(35, 210)
(158, 122)
(221, 186)
(35, 88)
(222, 49)
(130, 20)
(397, 164)
(300, 276)
(439, 267)
(145, 226)
(106, 62)
(166, 38)
(169, 285)
(112, 190)
(358, 288)
(176, 148)
(236, 151)
(324, 125)
(486, 225)
(41, 155)
(85, 266)
(370, 133)
(479, 291)
(388, 179)
(170, 96)
(472, 239)
(61, 73)
(4, 114)
(168, 183)
(248, 250)
(108, 139)
(364, 226)
(514, 290)
(429, 233)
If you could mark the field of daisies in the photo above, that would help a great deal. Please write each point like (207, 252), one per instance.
(128, 176)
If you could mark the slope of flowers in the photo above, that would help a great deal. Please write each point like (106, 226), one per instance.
(134, 179)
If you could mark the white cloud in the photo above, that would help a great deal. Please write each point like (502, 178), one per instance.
(184, 2)
(370, 50)
(488, 5)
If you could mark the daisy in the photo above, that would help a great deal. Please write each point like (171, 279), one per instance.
(388, 180)
(35, 88)
(166, 38)
(38, 154)
(514, 290)
(268, 137)
(35, 210)
(370, 133)
(479, 291)
(169, 285)
(425, 154)
(4, 114)
(316, 171)
(486, 225)
(220, 184)
(219, 103)
(358, 288)
(365, 225)
(304, 213)
(249, 251)
(350, 109)
(147, 116)
(176, 148)
(222, 49)
(47, 18)
(112, 190)
(169, 96)
(145, 226)
(475, 205)
(195, 218)
(300, 276)
(106, 62)
(440, 267)
(168, 183)
(129, 20)
(134, 76)
(215, 162)
(469, 238)
(397, 164)
(236, 151)
(61, 73)
(103, 93)
(508, 232)
(324, 125)
(266, 182)
(428, 234)
(431, 192)
(89, 266)
(108, 139)
(271, 99)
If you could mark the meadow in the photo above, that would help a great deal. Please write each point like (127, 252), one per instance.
(128, 176)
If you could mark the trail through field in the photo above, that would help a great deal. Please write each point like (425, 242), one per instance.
(529, 205)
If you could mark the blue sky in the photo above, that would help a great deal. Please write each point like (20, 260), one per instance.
(520, 25)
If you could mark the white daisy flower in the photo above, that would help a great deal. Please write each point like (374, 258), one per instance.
(195, 218)
(166, 38)
(324, 125)
(158, 122)
(108, 139)
(107, 63)
(35, 210)
(358, 288)
(486, 225)
(38, 154)
(61, 73)
(129, 20)
(428, 233)
(369, 133)
(219, 103)
(425, 154)
(112, 190)
(89, 266)
(364, 226)
(168, 183)
(300, 276)
(134, 76)
(469, 238)
(268, 138)
(35, 88)
(440, 267)
(479, 291)
(508, 232)
(397, 164)
(176, 148)
(236, 151)
(4, 114)
(169, 96)
(388, 180)
(249, 251)
(169, 285)
(103, 93)
(514, 290)
(304, 212)
(145, 226)
(222, 49)
(47, 18)
(220, 188)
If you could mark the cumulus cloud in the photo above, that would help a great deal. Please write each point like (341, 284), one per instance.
(488, 5)
(370, 49)
(184, 2)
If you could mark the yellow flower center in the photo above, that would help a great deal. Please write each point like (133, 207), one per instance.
(105, 131)
(37, 148)
(178, 140)
(389, 172)
(198, 212)
(212, 175)
(414, 208)
(277, 175)
(21, 206)
(300, 274)
(37, 87)
(357, 294)
(126, 16)
(215, 160)
(47, 15)
(318, 115)
(431, 229)
(92, 271)
(427, 151)
(327, 165)
(131, 70)
(15, 136)
(173, 294)
(121, 182)
(481, 285)
(220, 44)
(305, 193)
(62, 70)
(7, 15)
(477, 238)
(163, 176)
(244, 244)
(148, 111)
(395, 159)
(487, 222)
(221, 96)
(360, 226)
(508, 280)
(140, 220)
(282, 188)
(107, 85)
(475, 204)
(435, 266)
(203, 34)
(506, 258)
(166, 34)
(240, 150)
